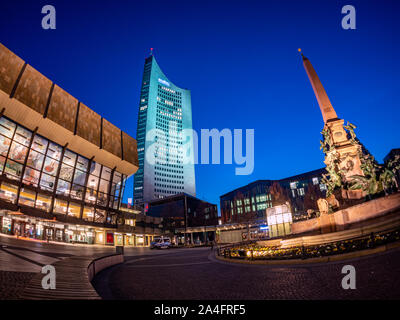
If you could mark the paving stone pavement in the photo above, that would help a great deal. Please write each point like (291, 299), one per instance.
(29, 256)
(12, 284)
(195, 275)
(21, 259)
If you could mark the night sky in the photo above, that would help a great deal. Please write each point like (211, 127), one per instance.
(240, 61)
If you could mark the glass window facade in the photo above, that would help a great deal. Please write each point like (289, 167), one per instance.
(82, 188)
(255, 198)
(168, 108)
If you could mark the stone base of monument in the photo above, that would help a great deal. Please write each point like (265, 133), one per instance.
(353, 194)
(343, 219)
(327, 223)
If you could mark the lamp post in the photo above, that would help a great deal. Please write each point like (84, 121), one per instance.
(205, 232)
(186, 218)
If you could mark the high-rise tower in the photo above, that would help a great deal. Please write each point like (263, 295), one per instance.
(164, 138)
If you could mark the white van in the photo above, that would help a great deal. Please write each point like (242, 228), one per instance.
(161, 243)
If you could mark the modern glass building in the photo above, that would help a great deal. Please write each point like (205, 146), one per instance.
(253, 201)
(62, 166)
(164, 138)
(183, 211)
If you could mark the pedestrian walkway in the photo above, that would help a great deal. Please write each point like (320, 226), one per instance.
(25, 259)
(72, 282)
(9, 262)
(29, 256)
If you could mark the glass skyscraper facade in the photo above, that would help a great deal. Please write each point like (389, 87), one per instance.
(164, 138)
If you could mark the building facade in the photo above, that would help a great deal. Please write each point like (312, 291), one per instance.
(183, 211)
(250, 202)
(62, 166)
(164, 136)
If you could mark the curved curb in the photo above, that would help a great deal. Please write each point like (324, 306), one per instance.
(102, 263)
(333, 258)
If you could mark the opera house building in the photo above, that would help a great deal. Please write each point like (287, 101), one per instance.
(63, 167)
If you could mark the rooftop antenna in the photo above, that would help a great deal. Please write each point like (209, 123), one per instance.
(151, 51)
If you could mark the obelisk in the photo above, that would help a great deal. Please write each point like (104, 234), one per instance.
(328, 113)
(342, 153)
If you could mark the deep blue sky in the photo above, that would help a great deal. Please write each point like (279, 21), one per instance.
(239, 59)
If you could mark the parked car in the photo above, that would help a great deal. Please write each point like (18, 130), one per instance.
(161, 243)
